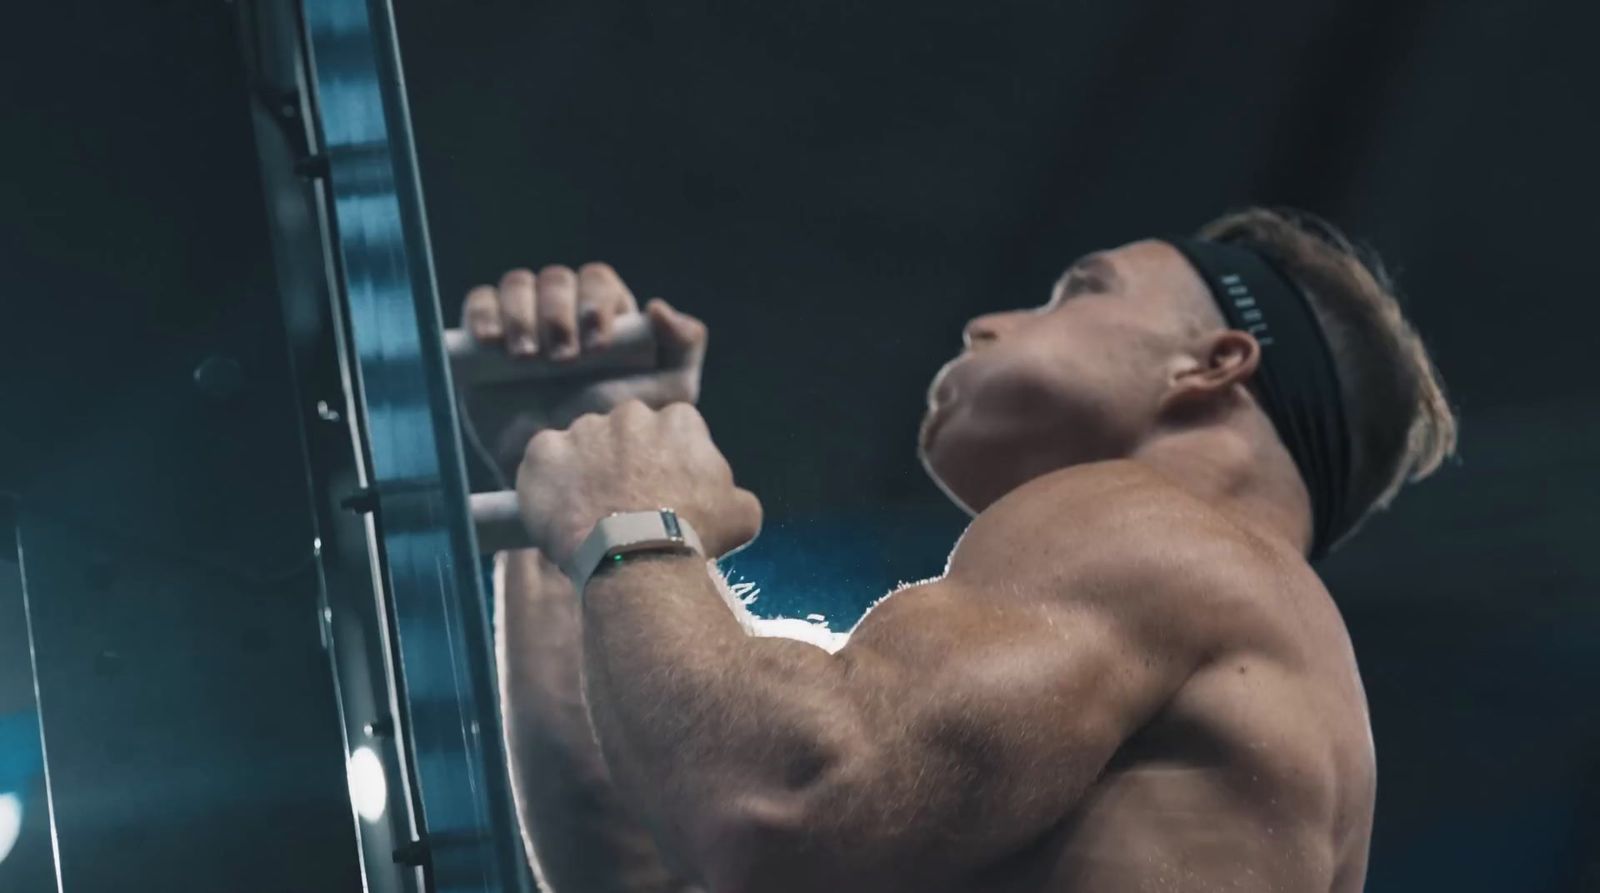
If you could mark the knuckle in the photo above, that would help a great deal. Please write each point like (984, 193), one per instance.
(597, 268)
(541, 444)
(557, 273)
(518, 276)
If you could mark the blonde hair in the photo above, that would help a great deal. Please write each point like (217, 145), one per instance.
(1401, 424)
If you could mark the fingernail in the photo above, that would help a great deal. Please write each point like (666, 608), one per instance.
(566, 350)
(525, 345)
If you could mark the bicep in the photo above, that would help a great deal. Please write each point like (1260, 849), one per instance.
(993, 714)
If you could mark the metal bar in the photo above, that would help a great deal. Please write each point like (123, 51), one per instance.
(498, 521)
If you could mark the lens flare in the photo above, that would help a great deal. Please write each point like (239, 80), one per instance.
(10, 823)
(369, 792)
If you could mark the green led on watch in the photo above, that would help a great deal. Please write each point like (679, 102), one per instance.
(615, 559)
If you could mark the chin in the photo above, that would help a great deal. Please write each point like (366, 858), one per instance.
(975, 472)
(950, 493)
(949, 475)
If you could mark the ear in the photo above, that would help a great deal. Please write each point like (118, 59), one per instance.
(1203, 377)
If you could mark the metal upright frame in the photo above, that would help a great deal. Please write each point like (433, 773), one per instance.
(405, 618)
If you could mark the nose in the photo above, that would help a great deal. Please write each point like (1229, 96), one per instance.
(981, 330)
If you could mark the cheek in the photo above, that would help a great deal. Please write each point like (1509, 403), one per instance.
(1017, 416)
(1044, 386)
(1059, 394)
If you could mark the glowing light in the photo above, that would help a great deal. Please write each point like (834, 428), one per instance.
(10, 823)
(369, 792)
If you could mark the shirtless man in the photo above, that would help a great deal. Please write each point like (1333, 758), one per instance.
(1128, 677)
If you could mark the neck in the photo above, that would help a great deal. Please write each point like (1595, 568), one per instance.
(1240, 467)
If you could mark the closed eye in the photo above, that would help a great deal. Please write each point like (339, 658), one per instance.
(1077, 283)
(1092, 274)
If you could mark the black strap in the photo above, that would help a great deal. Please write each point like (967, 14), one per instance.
(1297, 378)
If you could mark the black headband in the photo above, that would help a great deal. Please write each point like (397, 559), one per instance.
(1297, 379)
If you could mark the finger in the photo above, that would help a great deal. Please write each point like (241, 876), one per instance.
(751, 505)
(519, 312)
(751, 512)
(543, 447)
(480, 314)
(602, 297)
(558, 312)
(680, 338)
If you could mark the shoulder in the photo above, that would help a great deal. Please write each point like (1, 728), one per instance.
(1117, 537)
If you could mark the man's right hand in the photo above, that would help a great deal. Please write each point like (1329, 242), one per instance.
(586, 837)
(554, 317)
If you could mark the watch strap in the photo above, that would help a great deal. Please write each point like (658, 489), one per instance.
(623, 532)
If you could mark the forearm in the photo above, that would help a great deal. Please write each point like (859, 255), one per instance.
(697, 719)
(582, 836)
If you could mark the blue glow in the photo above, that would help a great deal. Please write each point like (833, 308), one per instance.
(836, 565)
(21, 757)
(21, 764)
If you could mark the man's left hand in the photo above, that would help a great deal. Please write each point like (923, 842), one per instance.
(634, 458)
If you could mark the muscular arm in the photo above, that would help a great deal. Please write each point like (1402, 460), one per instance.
(578, 833)
(962, 721)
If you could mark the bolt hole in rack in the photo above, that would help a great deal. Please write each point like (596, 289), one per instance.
(399, 539)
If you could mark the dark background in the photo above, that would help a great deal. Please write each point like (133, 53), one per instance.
(835, 188)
